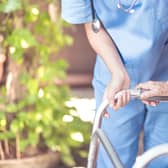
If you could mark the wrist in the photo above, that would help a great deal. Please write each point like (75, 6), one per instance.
(120, 73)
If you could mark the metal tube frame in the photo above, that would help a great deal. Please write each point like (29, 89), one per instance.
(99, 136)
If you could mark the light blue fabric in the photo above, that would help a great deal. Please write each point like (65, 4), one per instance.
(76, 11)
(142, 40)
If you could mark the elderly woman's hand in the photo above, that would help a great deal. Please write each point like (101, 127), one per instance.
(153, 88)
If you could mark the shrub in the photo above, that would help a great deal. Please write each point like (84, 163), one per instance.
(32, 106)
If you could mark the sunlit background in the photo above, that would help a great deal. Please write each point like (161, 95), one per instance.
(46, 99)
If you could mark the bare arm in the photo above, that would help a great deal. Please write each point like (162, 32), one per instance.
(103, 45)
(106, 49)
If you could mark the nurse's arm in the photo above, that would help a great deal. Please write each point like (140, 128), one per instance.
(103, 45)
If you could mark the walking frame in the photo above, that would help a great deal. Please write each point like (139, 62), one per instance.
(98, 136)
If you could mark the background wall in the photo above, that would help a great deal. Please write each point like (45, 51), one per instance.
(80, 57)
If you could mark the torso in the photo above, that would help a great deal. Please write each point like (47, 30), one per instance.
(140, 37)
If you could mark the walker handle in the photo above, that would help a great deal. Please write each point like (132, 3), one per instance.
(136, 93)
(158, 98)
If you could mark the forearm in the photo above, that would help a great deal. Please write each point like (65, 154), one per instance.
(106, 49)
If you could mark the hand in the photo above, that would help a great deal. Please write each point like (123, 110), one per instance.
(116, 92)
(153, 88)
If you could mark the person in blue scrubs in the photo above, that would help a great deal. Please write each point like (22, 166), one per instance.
(132, 48)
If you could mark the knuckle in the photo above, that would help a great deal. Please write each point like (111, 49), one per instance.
(150, 82)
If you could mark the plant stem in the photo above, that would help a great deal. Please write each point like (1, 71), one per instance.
(6, 146)
(1, 151)
(18, 154)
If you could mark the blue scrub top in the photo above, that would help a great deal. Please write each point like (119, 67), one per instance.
(141, 37)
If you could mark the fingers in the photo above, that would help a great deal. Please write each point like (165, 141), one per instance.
(122, 98)
(151, 103)
(109, 95)
(115, 86)
(147, 94)
(106, 114)
(152, 88)
(116, 101)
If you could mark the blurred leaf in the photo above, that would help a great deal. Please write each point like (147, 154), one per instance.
(23, 144)
(6, 135)
(21, 38)
(10, 6)
(68, 159)
(32, 13)
(32, 86)
(33, 138)
(24, 77)
(83, 153)
(16, 126)
(3, 123)
(19, 41)
(11, 108)
(2, 114)
(2, 136)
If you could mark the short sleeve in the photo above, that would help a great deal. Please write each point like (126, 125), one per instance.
(76, 11)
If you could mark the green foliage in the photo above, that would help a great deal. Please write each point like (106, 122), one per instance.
(19, 40)
(30, 38)
(8, 6)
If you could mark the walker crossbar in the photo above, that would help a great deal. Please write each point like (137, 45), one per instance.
(153, 153)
